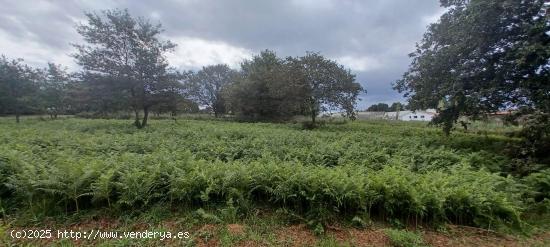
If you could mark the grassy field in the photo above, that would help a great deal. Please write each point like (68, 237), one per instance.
(254, 184)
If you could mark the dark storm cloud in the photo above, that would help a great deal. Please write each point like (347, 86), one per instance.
(371, 37)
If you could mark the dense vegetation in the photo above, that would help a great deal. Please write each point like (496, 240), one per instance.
(462, 73)
(398, 172)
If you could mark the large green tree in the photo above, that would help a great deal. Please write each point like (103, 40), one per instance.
(174, 97)
(54, 89)
(380, 107)
(481, 56)
(128, 52)
(397, 106)
(263, 91)
(271, 88)
(97, 94)
(208, 86)
(326, 85)
(18, 87)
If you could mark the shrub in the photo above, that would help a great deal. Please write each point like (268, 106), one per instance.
(404, 238)
(539, 185)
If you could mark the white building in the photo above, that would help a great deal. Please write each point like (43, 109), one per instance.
(420, 115)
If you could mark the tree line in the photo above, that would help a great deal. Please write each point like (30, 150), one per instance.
(383, 107)
(124, 68)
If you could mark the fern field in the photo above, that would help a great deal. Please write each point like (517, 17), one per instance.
(389, 171)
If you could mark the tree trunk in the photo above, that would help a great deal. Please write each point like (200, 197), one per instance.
(145, 116)
(137, 123)
(17, 114)
(313, 108)
(464, 125)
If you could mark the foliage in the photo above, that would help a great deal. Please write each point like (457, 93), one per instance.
(275, 89)
(209, 85)
(263, 92)
(540, 184)
(462, 73)
(404, 238)
(379, 107)
(397, 106)
(536, 136)
(396, 172)
(174, 98)
(53, 90)
(326, 84)
(18, 87)
(128, 53)
(383, 107)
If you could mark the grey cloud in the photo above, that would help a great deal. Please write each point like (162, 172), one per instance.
(385, 30)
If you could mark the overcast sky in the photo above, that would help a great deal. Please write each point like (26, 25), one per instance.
(371, 37)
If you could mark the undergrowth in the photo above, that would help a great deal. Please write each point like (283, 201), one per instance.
(400, 173)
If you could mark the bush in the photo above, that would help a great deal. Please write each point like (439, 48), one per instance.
(307, 125)
(532, 150)
(404, 238)
(539, 185)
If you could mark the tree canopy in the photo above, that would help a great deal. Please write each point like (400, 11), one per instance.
(381, 107)
(326, 84)
(126, 51)
(480, 57)
(54, 93)
(208, 85)
(18, 87)
(271, 88)
(262, 91)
